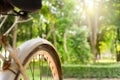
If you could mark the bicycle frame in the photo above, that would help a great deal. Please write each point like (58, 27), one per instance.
(13, 53)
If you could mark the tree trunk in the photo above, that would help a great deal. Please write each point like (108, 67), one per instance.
(50, 31)
(117, 43)
(92, 36)
(54, 36)
(118, 57)
(65, 40)
(92, 22)
(14, 36)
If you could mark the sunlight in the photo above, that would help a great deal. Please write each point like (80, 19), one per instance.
(89, 4)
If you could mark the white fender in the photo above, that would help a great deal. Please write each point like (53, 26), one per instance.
(29, 46)
(7, 75)
(23, 51)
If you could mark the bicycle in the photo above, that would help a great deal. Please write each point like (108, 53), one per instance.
(32, 55)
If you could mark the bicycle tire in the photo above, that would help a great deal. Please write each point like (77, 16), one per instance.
(50, 55)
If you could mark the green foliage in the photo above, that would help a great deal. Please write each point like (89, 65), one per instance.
(7, 24)
(92, 71)
(106, 38)
(79, 46)
(58, 17)
(25, 31)
(68, 17)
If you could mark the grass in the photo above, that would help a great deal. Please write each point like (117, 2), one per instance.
(106, 60)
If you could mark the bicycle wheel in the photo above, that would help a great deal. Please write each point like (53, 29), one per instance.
(42, 63)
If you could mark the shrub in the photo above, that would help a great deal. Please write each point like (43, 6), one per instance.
(91, 71)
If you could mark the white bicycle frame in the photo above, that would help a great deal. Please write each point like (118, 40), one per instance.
(17, 55)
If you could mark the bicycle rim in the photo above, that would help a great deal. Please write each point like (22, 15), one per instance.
(42, 64)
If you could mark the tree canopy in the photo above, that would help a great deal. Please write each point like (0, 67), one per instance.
(81, 30)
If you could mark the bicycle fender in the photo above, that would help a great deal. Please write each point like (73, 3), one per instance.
(7, 75)
(30, 45)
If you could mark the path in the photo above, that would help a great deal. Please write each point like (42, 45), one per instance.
(92, 79)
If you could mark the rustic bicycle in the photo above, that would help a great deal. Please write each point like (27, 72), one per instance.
(35, 59)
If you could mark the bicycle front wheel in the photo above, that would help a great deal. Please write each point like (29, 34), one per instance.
(42, 63)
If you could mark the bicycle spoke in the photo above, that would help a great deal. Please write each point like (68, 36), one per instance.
(33, 66)
(47, 73)
(40, 69)
(43, 66)
(31, 69)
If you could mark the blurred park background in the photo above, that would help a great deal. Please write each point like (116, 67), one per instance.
(86, 34)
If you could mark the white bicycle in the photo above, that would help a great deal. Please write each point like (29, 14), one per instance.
(36, 59)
